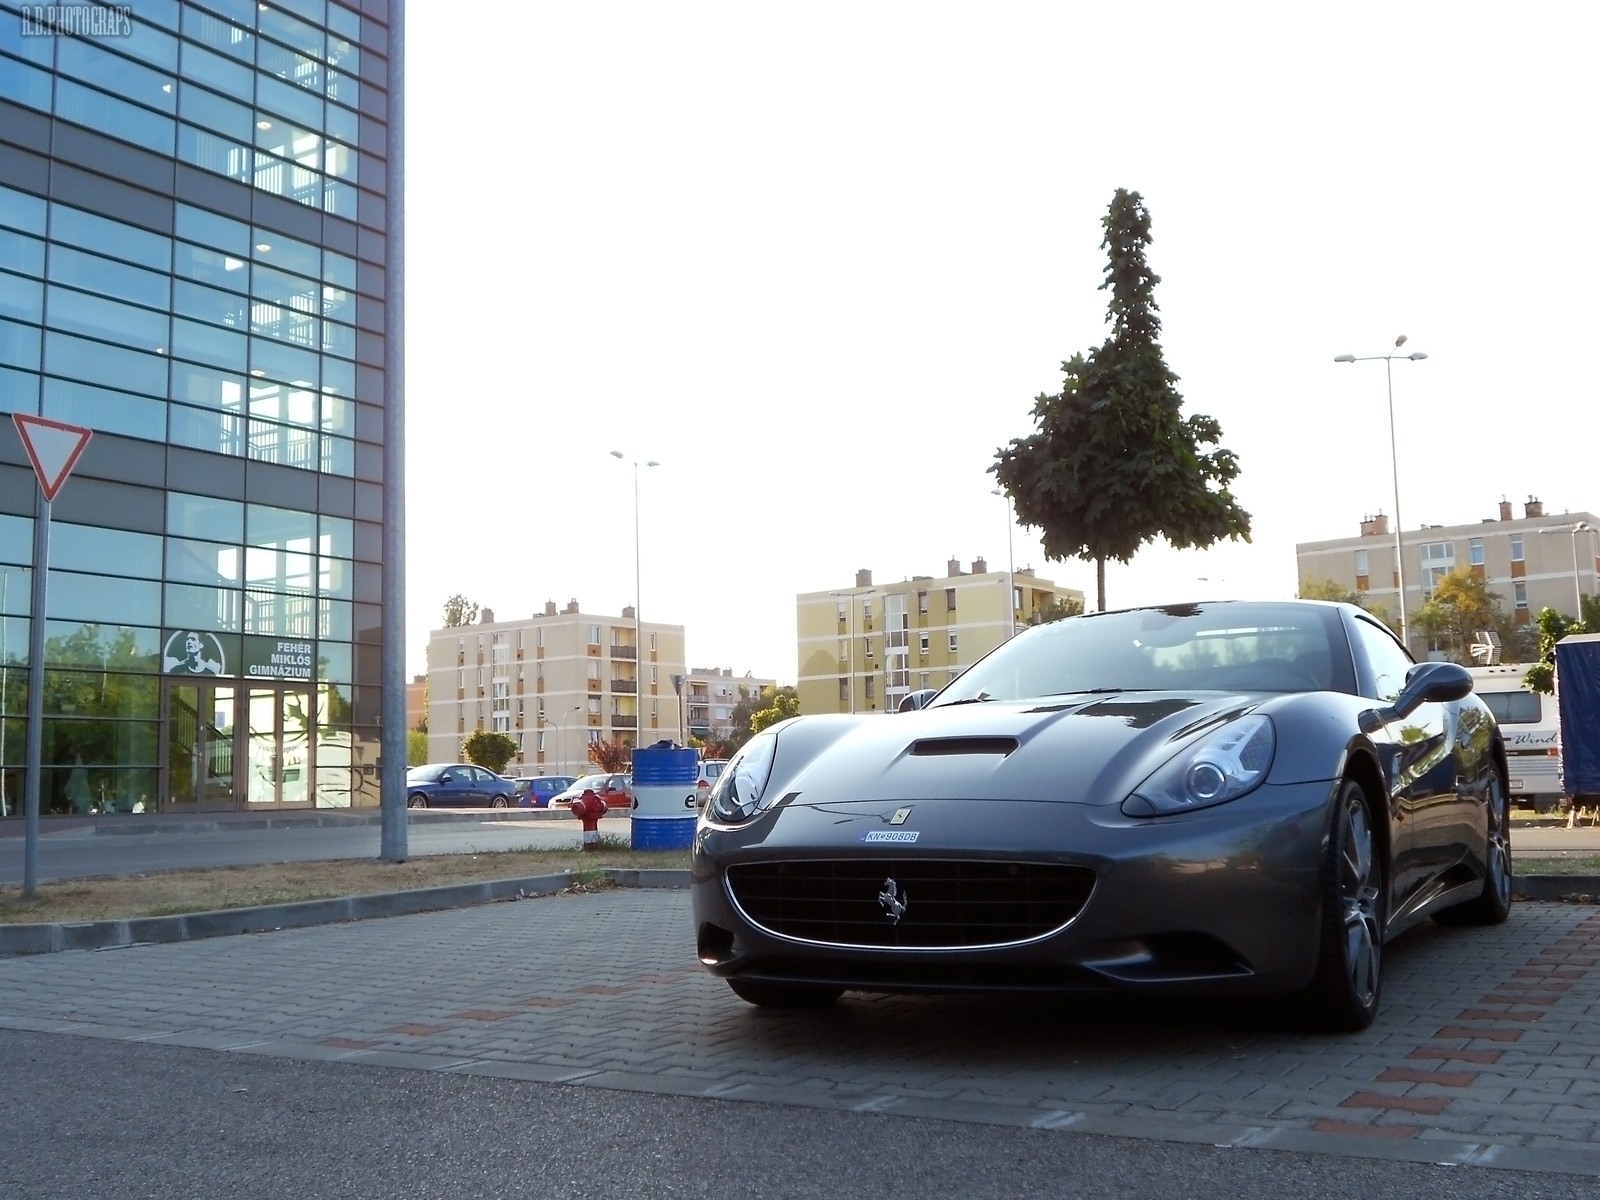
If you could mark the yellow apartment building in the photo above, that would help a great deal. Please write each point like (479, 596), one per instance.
(554, 682)
(862, 648)
(1533, 561)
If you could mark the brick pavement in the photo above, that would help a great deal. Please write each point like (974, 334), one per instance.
(1486, 1049)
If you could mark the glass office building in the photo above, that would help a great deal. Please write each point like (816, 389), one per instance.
(193, 254)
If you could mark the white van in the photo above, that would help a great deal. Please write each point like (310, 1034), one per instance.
(1532, 734)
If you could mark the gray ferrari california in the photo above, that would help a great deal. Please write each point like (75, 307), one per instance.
(1214, 798)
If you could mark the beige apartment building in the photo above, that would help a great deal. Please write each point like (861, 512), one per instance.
(554, 682)
(862, 649)
(710, 695)
(1534, 561)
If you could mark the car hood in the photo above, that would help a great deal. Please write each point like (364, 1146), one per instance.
(1074, 750)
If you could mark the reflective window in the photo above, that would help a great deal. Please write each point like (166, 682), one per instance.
(209, 304)
(338, 456)
(208, 344)
(333, 662)
(275, 402)
(19, 345)
(113, 117)
(191, 607)
(275, 23)
(103, 647)
(112, 366)
(19, 252)
(108, 551)
(205, 517)
(289, 64)
(287, 140)
(88, 62)
(1388, 663)
(288, 101)
(92, 273)
(204, 385)
(18, 210)
(343, 21)
(343, 124)
(211, 266)
(104, 598)
(21, 298)
(277, 570)
(338, 376)
(280, 527)
(78, 312)
(286, 253)
(210, 229)
(286, 445)
(219, 34)
(215, 153)
(335, 577)
(271, 612)
(280, 361)
(218, 72)
(22, 84)
(203, 562)
(337, 536)
(108, 237)
(34, 49)
(204, 429)
(338, 415)
(106, 410)
(19, 391)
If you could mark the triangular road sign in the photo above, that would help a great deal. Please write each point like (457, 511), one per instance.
(53, 449)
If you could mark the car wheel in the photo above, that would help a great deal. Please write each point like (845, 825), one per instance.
(499, 802)
(1344, 992)
(416, 800)
(783, 995)
(1493, 905)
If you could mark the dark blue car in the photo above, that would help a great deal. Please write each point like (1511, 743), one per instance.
(536, 792)
(458, 785)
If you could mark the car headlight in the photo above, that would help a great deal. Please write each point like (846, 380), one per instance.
(1219, 767)
(741, 789)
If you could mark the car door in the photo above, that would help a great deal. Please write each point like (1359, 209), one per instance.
(1421, 766)
(456, 788)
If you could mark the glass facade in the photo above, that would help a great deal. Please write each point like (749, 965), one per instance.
(192, 264)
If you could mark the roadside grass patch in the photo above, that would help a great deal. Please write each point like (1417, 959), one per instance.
(169, 893)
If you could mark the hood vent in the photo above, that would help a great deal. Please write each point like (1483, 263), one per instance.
(935, 747)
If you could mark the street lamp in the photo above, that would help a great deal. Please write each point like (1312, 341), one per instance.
(1394, 465)
(1011, 562)
(638, 618)
(850, 649)
(1577, 580)
(561, 741)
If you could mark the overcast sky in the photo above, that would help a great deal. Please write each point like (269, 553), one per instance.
(818, 259)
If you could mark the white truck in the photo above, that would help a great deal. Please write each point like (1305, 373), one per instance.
(1532, 734)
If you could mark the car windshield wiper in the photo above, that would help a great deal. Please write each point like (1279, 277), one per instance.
(978, 699)
(1098, 691)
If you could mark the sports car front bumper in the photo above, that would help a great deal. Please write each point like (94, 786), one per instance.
(1223, 900)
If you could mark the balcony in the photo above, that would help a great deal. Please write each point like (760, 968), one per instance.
(623, 721)
(624, 651)
(625, 685)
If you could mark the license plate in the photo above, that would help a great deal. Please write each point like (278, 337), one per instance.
(1516, 785)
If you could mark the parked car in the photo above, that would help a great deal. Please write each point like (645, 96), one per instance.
(458, 785)
(1216, 798)
(541, 789)
(1531, 728)
(616, 790)
(710, 771)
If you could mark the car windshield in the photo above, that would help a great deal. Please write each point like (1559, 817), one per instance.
(1189, 647)
(597, 782)
(428, 774)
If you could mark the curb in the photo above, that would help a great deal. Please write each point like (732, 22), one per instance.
(137, 826)
(1579, 889)
(55, 937)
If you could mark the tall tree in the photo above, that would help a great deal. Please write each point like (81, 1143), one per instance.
(1113, 463)
(1462, 605)
(490, 749)
(784, 702)
(611, 756)
(458, 611)
(1552, 626)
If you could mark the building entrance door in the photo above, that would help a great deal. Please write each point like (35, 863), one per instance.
(231, 746)
(278, 735)
(200, 720)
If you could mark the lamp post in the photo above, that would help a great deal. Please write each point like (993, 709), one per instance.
(850, 649)
(561, 741)
(1011, 562)
(638, 616)
(1577, 578)
(1394, 466)
(677, 686)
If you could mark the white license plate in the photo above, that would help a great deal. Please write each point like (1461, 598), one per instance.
(1516, 785)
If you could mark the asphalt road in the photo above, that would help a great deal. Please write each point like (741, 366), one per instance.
(79, 853)
(91, 1117)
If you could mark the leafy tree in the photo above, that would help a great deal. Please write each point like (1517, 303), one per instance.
(611, 756)
(416, 747)
(1460, 606)
(785, 703)
(458, 611)
(1327, 589)
(739, 720)
(1066, 607)
(1552, 627)
(1113, 463)
(489, 748)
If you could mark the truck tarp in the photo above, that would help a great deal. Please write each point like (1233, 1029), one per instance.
(1578, 702)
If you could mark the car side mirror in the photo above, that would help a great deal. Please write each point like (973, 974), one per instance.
(918, 699)
(1426, 683)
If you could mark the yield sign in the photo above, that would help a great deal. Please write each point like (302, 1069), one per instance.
(53, 449)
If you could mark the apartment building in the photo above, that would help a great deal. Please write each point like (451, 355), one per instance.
(863, 648)
(711, 694)
(554, 681)
(1534, 561)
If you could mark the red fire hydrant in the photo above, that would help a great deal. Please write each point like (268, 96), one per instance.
(589, 808)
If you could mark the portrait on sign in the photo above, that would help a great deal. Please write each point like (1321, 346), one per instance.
(190, 652)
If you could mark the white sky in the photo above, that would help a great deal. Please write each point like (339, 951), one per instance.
(819, 258)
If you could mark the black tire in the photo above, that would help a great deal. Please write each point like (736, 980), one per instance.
(499, 802)
(1493, 905)
(1344, 992)
(416, 800)
(783, 995)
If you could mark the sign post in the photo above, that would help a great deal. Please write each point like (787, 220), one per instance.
(53, 448)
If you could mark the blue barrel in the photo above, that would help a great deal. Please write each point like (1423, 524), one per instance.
(665, 806)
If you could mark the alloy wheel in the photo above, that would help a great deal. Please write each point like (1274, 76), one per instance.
(1359, 895)
(1499, 842)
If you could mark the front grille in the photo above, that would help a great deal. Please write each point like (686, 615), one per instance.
(948, 903)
